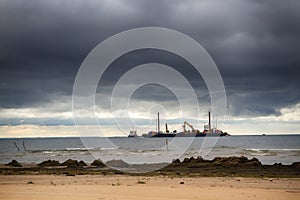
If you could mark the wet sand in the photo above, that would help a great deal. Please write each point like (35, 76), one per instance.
(31, 187)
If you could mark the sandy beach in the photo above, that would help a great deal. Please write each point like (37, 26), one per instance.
(138, 187)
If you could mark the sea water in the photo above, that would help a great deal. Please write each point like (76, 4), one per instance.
(269, 149)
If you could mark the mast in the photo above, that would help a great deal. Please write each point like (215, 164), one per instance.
(158, 123)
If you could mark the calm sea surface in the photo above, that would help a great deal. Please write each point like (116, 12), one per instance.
(268, 149)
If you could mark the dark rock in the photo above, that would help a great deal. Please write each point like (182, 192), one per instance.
(70, 163)
(296, 165)
(176, 161)
(237, 160)
(193, 160)
(277, 164)
(186, 160)
(199, 159)
(228, 161)
(49, 163)
(14, 163)
(254, 162)
(98, 163)
(243, 159)
(82, 164)
(117, 163)
(218, 160)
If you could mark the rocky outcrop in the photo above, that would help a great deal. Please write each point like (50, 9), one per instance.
(117, 163)
(296, 165)
(71, 163)
(176, 161)
(235, 161)
(82, 163)
(225, 161)
(14, 163)
(98, 163)
(49, 163)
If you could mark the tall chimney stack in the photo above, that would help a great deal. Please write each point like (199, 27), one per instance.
(158, 123)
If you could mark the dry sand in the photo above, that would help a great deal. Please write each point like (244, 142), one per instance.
(100, 187)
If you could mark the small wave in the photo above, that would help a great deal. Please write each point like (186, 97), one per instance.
(263, 154)
(78, 149)
(270, 152)
(48, 152)
(224, 147)
(91, 149)
(108, 148)
(37, 151)
(261, 150)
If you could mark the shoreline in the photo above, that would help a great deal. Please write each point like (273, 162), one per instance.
(189, 167)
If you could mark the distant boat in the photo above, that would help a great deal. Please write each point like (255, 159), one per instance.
(133, 133)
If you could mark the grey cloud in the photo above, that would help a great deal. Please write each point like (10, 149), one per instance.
(255, 44)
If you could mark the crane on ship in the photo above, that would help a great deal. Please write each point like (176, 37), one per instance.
(167, 130)
(191, 126)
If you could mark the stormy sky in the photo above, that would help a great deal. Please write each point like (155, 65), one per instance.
(254, 43)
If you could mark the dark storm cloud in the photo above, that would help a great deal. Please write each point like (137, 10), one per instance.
(255, 44)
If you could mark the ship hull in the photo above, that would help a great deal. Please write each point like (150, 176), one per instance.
(160, 135)
(167, 135)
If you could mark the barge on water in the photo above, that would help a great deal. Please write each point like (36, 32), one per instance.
(207, 132)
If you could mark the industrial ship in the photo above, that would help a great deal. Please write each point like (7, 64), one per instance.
(208, 131)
